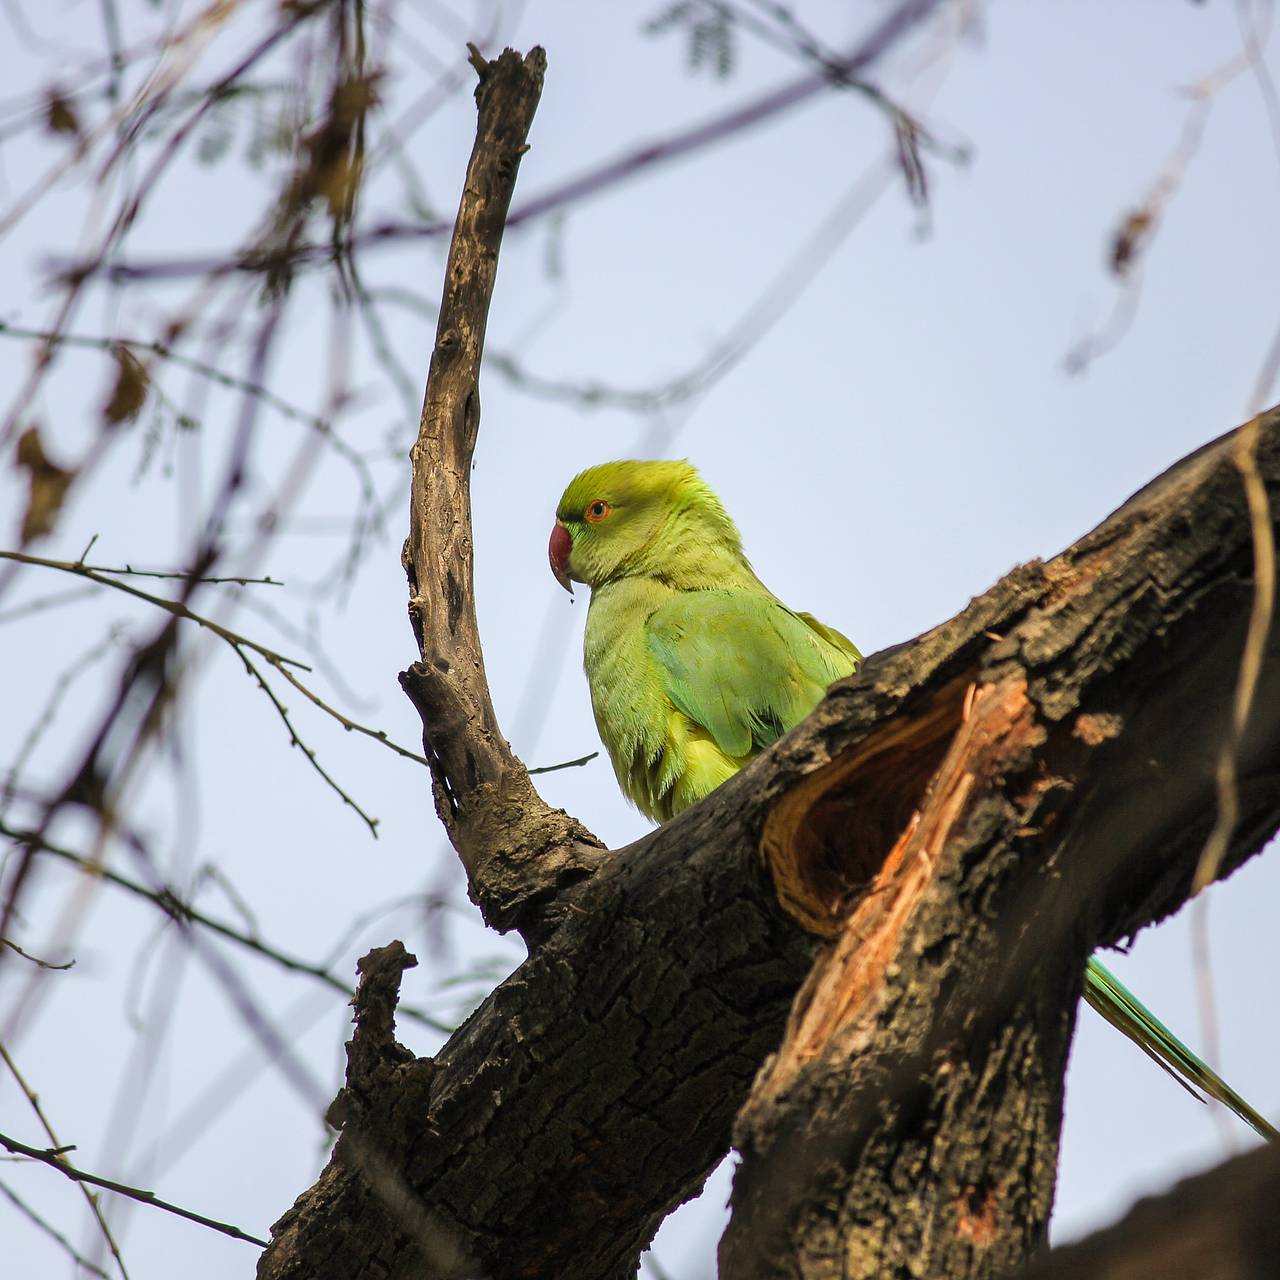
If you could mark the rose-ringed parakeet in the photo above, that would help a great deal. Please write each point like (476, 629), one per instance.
(695, 666)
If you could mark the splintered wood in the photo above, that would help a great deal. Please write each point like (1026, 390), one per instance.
(825, 840)
(993, 725)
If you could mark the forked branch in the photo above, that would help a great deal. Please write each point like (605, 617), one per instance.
(518, 852)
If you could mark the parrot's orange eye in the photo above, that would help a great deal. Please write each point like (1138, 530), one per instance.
(597, 511)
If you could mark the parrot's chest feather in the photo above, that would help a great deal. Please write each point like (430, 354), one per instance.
(640, 727)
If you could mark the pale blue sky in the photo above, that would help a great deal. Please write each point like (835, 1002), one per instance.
(900, 437)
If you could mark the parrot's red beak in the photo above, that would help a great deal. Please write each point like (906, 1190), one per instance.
(558, 553)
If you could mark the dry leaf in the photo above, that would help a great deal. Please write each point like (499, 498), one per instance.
(48, 486)
(130, 391)
(1129, 240)
(60, 115)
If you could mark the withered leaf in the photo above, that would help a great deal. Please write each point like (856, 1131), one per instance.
(130, 391)
(60, 115)
(47, 484)
(1129, 240)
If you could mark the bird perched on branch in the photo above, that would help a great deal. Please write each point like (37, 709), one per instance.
(695, 666)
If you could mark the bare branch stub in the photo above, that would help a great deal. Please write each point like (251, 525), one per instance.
(518, 852)
(372, 1051)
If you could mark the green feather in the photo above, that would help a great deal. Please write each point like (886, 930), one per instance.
(694, 665)
(1115, 1002)
(741, 665)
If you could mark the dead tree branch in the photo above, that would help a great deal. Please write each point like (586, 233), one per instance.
(1221, 1225)
(517, 851)
(1065, 788)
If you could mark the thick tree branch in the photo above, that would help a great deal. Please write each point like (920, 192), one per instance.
(1060, 805)
(964, 820)
(518, 852)
(1069, 810)
(1221, 1225)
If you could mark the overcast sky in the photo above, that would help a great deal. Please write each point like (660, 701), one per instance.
(901, 430)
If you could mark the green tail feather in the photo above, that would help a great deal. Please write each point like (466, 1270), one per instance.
(1115, 1002)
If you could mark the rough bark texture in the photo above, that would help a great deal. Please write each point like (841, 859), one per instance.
(909, 1123)
(588, 1096)
(518, 852)
(963, 820)
(1222, 1225)
(595, 1088)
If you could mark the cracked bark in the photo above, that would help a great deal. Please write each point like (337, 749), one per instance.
(909, 1123)
(518, 852)
(949, 834)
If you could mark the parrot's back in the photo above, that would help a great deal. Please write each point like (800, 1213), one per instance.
(687, 686)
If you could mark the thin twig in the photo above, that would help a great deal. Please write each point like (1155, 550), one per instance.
(253, 387)
(1244, 455)
(893, 26)
(40, 604)
(82, 663)
(54, 1160)
(177, 907)
(175, 607)
(566, 764)
(94, 1208)
(295, 740)
(26, 955)
(130, 571)
(51, 1231)
(240, 644)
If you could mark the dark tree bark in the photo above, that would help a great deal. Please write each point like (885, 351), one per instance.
(962, 822)
(1221, 1225)
(517, 851)
(909, 1123)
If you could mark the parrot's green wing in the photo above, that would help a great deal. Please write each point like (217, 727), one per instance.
(833, 637)
(742, 665)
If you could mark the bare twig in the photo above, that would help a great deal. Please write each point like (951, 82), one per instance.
(896, 24)
(910, 135)
(242, 646)
(53, 1158)
(33, 1099)
(57, 694)
(1132, 238)
(220, 377)
(129, 571)
(51, 1231)
(175, 607)
(40, 604)
(1244, 455)
(26, 955)
(177, 907)
(567, 764)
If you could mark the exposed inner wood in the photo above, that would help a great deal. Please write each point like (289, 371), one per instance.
(993, 724)
(826, 841)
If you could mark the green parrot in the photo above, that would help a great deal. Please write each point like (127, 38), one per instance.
(695, 666)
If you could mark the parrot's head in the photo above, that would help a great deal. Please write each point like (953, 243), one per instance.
(631, 518)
